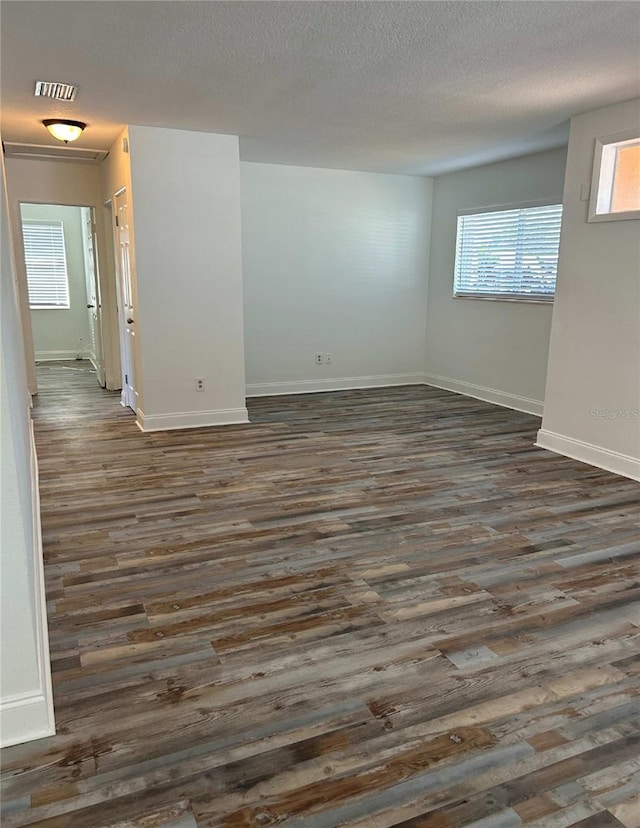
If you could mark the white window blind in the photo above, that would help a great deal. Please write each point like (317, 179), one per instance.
(46, 264)
(508, 253)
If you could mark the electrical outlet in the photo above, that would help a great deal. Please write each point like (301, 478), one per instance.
(199, 383)
(327, 359)
(319, 358)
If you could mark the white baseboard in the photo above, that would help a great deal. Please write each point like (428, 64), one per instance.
(48, 727)
(29, 715)
(490, 395)
(274, 389)
(191, 419)
(25, 718)
(611, 461)
(57, 356)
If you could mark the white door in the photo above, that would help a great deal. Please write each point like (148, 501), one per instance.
(126, 299)
(93, 291)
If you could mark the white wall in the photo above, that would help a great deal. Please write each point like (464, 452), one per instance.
(593, 390)
(70, 183)
(63, 333)
(185, 189)
(334, 262)
(494, 350)
(26, 706)
(115, 170)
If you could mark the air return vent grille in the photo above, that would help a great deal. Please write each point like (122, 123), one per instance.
(61, 153)
(59, 91)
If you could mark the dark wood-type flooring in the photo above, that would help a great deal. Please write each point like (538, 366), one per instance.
(368, 608)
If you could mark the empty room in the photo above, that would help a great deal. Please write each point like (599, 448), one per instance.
(320, 417)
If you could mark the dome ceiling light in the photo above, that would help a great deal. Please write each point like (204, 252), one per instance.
(63, 129)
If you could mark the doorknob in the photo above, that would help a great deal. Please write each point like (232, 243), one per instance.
(90, 306)
(129, 320)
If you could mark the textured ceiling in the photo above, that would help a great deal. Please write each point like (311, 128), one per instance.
(408, 87)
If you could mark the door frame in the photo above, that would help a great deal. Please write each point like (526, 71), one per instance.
(99, 344)
(105, 330)
(125, 350)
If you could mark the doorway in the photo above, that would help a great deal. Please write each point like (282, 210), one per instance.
(60, 252)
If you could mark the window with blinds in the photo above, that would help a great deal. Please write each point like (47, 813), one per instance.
(46, 263)
(510, 253)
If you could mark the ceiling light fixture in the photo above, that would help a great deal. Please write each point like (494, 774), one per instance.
(64, 130)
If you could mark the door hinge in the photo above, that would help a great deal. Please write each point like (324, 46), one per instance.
(117, 222)
(126, 379)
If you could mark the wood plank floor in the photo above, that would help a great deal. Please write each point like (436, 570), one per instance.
(367, 608)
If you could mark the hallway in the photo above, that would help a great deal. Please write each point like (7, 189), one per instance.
(366, 608)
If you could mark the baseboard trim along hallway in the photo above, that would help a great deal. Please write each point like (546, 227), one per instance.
(191, 419)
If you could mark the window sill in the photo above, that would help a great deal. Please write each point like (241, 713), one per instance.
(49, 307)
(621, 216)
(485, 297)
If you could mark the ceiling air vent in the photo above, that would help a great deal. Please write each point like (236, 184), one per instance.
(55, 153)
(59, 91)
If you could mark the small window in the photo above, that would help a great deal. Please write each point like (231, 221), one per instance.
(510, 253)
(615, 188)
(46, 263)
